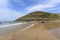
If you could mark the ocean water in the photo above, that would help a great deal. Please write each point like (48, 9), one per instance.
(6, 22)
(10, 22)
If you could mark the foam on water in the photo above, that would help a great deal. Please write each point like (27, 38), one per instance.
(12, 24)
(7, 25)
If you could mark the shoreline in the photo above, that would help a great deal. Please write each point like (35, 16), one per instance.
(10, 28)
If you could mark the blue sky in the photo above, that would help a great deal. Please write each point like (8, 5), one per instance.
(13, 9)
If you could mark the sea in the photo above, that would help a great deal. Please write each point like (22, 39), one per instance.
(6, 22)
(10, 22)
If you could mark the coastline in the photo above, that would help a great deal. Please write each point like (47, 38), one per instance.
(8, 28)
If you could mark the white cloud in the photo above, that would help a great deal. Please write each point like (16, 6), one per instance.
(6, 13)
(48, 4)
(3, 2)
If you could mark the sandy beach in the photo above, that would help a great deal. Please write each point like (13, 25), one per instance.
(38, 31)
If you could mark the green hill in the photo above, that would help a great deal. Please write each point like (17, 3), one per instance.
(38, 15)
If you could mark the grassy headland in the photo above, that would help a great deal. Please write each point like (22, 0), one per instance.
(38, 16)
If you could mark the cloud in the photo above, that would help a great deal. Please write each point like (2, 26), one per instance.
(38, 7)
(47, 4)
(6, 13)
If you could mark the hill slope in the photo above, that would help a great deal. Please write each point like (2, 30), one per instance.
(38, 15)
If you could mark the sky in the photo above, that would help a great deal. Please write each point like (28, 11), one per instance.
(13, 9)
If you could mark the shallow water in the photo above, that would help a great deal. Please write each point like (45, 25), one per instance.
(55, 32)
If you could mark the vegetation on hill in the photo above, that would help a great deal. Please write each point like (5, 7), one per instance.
(39, 15)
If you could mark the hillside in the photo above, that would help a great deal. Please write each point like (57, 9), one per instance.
(38, 15)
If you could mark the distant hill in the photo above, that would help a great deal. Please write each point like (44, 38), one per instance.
(38, 15)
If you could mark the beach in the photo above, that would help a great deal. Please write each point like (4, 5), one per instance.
(33, 31)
